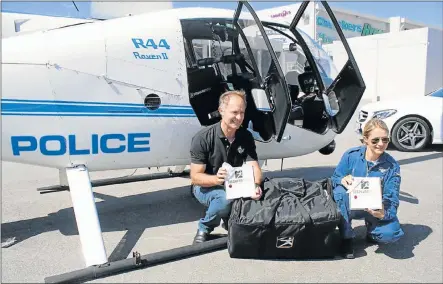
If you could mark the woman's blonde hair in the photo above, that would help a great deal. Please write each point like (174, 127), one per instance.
(372, 124)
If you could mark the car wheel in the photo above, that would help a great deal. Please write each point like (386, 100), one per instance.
(411, 134)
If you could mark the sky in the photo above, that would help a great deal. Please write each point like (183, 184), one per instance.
(428, 13)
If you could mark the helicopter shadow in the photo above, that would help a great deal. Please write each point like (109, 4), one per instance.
(136, 213)
(132, 214)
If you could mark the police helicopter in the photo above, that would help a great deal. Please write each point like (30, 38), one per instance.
(131, 92)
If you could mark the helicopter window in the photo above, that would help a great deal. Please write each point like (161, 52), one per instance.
(322, 59)
(212, 38)
(187, 54)
(291, 56)
(200, 48)
(252, 37)
(212, 49)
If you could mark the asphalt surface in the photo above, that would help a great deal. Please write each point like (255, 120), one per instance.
(153, 216)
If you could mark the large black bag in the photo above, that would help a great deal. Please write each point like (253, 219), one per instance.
(295, 219)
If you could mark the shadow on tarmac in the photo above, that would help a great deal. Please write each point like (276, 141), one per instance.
(136, 213)
(402, 249)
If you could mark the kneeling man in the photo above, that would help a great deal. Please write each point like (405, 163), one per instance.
(226, 141)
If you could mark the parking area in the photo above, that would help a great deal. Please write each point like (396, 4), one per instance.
(157, 215)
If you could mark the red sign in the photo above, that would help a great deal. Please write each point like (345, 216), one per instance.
(281, 14)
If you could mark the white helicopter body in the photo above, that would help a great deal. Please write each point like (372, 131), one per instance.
(131, 92)
(76, 95)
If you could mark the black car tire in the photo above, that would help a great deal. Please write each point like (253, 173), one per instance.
(404, 143)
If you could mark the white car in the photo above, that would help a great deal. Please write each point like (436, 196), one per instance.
(413, 123)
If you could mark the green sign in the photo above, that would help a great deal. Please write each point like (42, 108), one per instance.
(324, 38)
(364, 30)
(369, 30)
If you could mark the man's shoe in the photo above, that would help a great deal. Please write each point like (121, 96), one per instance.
(347, 248)
(225, 224)
(200, 237)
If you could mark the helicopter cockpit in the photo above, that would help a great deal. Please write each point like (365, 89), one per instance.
(221, 56)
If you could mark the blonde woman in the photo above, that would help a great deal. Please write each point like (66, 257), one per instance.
(369, 160)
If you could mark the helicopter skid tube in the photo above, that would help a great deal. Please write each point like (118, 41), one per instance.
(118, 180)
(138, 261)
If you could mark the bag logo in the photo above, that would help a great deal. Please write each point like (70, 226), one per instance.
(285, 242)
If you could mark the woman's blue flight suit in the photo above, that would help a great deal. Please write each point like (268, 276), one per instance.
(353, 162)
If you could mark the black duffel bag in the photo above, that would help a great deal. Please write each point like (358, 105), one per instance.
(294, 219)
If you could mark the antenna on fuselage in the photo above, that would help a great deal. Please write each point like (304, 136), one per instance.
(75, 6)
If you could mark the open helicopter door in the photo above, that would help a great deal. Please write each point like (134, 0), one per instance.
(341, 95)
(273, 88)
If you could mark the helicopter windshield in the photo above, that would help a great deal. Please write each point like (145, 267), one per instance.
(257, 45)
(325, 65)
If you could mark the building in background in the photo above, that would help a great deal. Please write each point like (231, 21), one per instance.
(317, 23)
(395, 65)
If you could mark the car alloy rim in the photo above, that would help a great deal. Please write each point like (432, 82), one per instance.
(411, 135)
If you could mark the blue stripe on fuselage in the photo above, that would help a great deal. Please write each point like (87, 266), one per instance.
(85, 103)
(96, 114)
(66, 108)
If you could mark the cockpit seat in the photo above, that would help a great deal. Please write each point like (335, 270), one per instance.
(306, 81)
(243, 81)
(292, 78)
(296, 115)
(205, 89)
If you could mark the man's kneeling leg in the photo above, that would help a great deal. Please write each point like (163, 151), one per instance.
(218, 207)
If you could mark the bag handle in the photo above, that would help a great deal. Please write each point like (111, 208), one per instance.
(282, 189)
(273, 210)
(303, 211)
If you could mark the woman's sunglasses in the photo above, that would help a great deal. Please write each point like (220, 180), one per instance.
(385, 140)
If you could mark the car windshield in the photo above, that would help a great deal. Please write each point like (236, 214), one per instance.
(438, 93)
